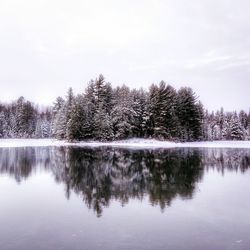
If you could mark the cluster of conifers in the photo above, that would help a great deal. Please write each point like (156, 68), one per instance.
(105, 113)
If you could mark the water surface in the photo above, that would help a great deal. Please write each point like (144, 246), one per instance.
(106, 198)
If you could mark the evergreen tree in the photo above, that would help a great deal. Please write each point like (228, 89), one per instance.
(69, 104)
(75, 125)
(139, 109)
(162, 112)
(237, 131)
(91, 107)
(103, 125)
(151, 112)
(99, 90)
(248, 127)
(221, 122)
(43, 125)
(189, 115)
(243, 118)
(206, 127)
(122, 114)
(56, 119)
(3, 125)
(226, 131)
(25, 118)
(63, 111)
(61, 123)
(99, 96)
(169, 113)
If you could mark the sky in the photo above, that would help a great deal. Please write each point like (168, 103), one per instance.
(47, 46)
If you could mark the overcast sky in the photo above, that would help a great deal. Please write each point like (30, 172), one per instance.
(47, 46)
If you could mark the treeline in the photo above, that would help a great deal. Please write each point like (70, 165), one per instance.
(222, 125)
(21, 119)
(105, 113)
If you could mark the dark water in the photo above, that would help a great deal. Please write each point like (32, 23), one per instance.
(75, 198)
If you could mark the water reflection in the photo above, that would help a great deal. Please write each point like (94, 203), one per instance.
(101, 174)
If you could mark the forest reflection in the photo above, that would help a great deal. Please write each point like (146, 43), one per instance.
(100, 175)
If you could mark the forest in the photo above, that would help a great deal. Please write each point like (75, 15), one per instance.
(105, 113)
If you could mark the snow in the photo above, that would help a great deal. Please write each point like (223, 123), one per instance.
(12, 143)
(152, 143)
(130, 143)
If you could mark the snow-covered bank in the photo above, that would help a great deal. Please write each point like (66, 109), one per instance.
(131, 143)
(152, 143)
(12, 143)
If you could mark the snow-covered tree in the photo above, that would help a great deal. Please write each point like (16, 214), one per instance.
(189, 115)
(164, 111)
(122, 114)
(61, 123)
(43, 125)
(103, 126)
(3, 125)
(80, 124)
(57, 106)
(25, 119)
(237, 130)
(104, 113)
(243, 118)
(139, 109)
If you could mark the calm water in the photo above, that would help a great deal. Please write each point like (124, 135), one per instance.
(75, 198)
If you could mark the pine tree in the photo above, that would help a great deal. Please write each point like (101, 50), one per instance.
(99, 96)
(103, 126)
(62, 112)
(69, 104)
(151, 112)
(108, 98)
(226, 131)
(248, 127)
(243, 118)
(58, 104)
(91, 108)
(25, 118)
(45, 129)
(99, 89)
(189, 115)
(3, 125)
(163, 111)
(122, 114)
(75, 125)
(171, 120)
(61, 123)
(237, 131)
(139, 109)
(81, 123)
(206, 127)
(56, 112)
(221, 122)
(43, 125)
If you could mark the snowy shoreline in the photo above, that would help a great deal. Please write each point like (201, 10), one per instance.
(130, 143)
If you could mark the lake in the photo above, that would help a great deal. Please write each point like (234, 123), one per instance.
(109, 198)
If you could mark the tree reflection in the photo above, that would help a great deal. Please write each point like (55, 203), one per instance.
(100, 175)
(21, 162)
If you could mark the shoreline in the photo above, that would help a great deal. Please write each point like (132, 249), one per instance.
(129, 143)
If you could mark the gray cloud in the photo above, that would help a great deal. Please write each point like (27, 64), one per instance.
(47, 46)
